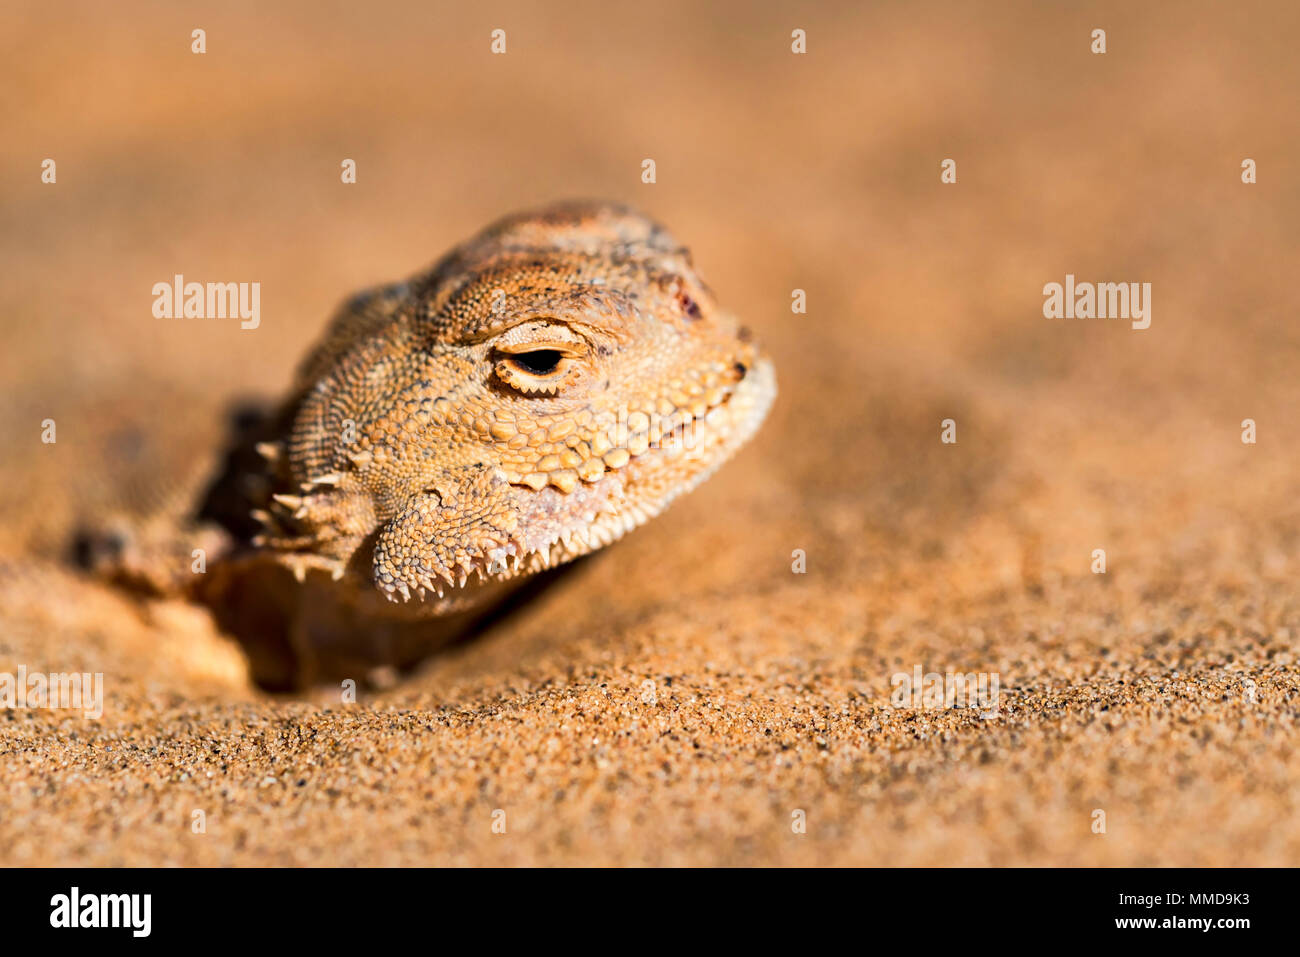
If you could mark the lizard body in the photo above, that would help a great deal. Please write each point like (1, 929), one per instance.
(546, 387)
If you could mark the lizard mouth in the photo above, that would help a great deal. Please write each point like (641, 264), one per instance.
(666, 458)
(661, 458)
(701, 405)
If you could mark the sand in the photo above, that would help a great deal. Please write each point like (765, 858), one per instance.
(686, 697)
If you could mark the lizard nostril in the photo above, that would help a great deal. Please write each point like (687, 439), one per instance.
(688, 305)
(92, 549)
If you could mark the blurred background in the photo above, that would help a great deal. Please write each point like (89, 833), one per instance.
(818, 172)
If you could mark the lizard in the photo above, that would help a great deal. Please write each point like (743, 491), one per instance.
(546, 387)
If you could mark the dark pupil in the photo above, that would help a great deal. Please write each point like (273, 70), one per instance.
(539, 362)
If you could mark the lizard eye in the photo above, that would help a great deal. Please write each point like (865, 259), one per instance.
(539, 362)
(537, 367)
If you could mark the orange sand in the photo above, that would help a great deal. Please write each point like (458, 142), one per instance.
(1163, 692)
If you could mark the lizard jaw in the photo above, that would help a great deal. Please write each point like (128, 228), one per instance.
(556, 526)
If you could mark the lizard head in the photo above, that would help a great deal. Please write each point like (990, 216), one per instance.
(547, 387)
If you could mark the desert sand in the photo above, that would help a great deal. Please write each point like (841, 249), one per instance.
(686, 697)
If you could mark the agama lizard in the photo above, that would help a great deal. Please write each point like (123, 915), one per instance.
(546, 387)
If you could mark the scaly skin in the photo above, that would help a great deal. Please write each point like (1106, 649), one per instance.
(507, 411)
(549, 385)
